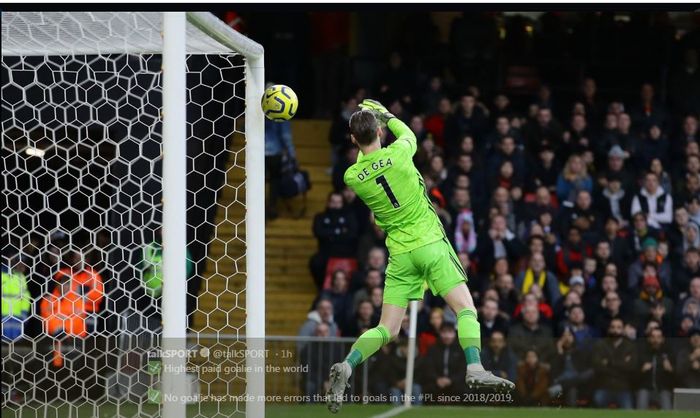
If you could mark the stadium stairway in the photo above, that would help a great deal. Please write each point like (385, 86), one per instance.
(289, 245)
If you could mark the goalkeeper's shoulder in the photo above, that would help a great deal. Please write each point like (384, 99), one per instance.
(350, 175)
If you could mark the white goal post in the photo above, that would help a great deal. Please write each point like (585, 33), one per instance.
(175, 35)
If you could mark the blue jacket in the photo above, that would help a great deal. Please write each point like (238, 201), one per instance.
(278, 138)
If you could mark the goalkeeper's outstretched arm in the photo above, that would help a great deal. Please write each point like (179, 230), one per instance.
(405, 138)
(404, 135)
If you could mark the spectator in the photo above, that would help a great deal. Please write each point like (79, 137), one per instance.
(546, 170)
(397, 81)
(654, 202)
(614, 201)
(68, 311)
(497, 243)
(561, 309)
(612, 310)
(537, 274)
(658, 167)
(583, 217)
(648, 112)
(535, 298)
(375, 260)
(336, 231)
(443, 365)
(616, 168)
(468, 119)
(650, 259)
(657, 372)
(435, 123)
(641, 231)
(507, 151)
(432, 95)
(348, 158)
(531, 335)
(677, 233)
(506, 294)
(16, 300)
(689, 133)
(355, 205)
(685, 82)
(577, 139)
(497, 357)
(575, 323)
(690, 305)
(544, 132)
(364, 319)
(436, 170)
(573, 178)
(503, 130)
(397, 374)
(322, 314)
(654, 146)
(427, 150)
(340, 299)
(594, 107)
(614, 362)
(278, 146)
(339, 135)
(418, 127)
(465, 233)
(377, 300)
(492, 320)
(373, 279)
(533, 380)
(688, 363)
(687, 271)
(693, 206)
(501, 107)
(318, 356)
(571, 254)
(650, 296)
(571, 368)
(429, 337)
(152, 266)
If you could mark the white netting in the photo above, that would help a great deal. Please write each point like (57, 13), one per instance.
(71, 33)
(81, 103)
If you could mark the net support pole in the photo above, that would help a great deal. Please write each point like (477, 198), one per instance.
(255, 236)
(174, 360)
(411, 356)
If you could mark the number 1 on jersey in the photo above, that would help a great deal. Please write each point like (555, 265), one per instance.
(381, 180)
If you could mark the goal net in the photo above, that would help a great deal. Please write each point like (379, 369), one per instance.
(105, 182)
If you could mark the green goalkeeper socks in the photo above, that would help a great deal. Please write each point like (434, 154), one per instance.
(469, 333)
(468, 330)
(368, 343)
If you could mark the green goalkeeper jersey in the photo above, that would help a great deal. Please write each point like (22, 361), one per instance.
(391, 186)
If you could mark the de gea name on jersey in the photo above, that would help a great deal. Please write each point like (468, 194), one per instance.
(381, 163)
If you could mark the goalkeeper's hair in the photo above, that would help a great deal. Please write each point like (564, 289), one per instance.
(363, 126)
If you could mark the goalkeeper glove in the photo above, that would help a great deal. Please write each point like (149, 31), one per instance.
(381, 112)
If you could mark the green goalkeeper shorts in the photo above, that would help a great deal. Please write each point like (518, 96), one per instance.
(435, 264)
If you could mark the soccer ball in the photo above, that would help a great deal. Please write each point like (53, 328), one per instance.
(279, 103)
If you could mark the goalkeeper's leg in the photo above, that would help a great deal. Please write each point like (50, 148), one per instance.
(367, 344)
(469, 333)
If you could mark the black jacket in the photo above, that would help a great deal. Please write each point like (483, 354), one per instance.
(447, 361)
(657, 378)
(615, 366)
(336, 232)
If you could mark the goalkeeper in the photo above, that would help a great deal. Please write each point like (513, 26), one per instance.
(388, 182)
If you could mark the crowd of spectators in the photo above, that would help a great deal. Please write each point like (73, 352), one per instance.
(58, 288)
(579, 230)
